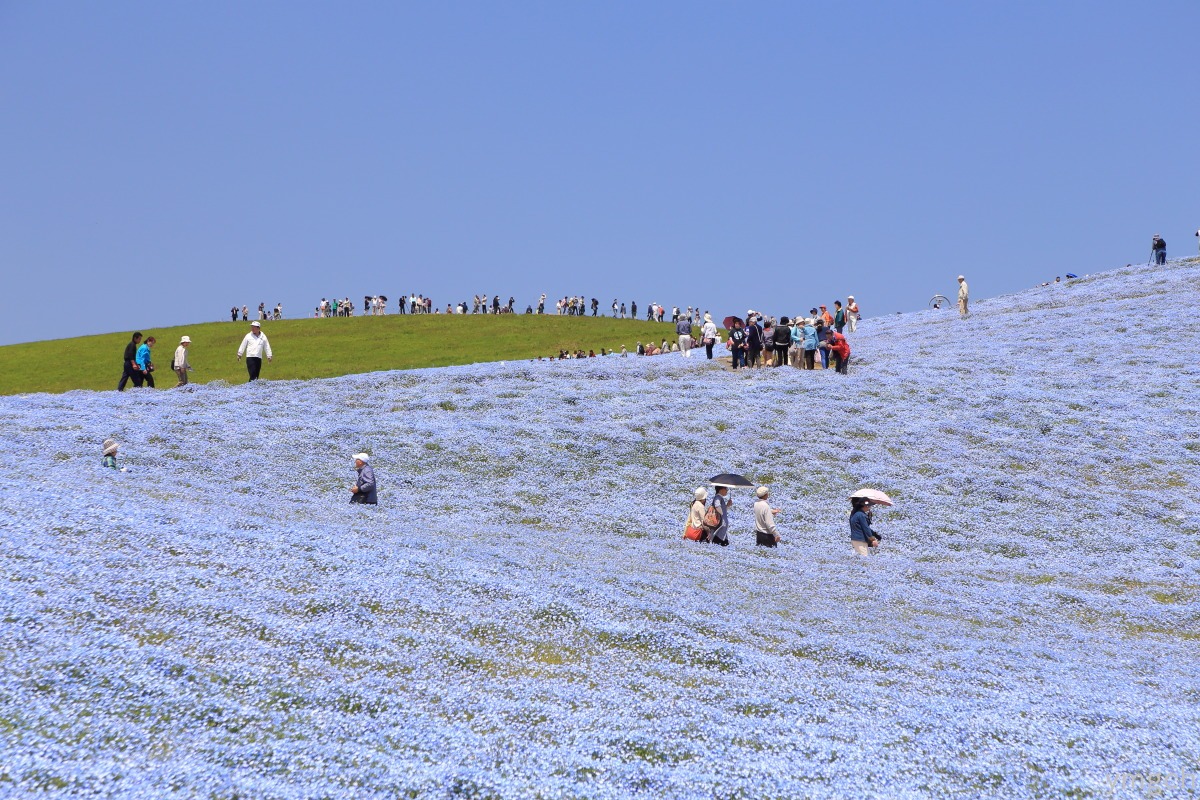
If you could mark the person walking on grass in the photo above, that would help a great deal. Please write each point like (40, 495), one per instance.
(363, 490)
(683, 328)
(708, 334)
(181, 365)
(254, 346)
(129, 366)
(863, 538)
(766, 534)
(963, 297)
(145, 360)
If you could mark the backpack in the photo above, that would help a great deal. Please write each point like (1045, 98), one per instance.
(712, 519)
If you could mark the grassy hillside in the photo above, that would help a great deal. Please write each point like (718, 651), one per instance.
(319, 348)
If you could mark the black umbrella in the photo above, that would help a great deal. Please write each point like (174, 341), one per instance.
(731, 480)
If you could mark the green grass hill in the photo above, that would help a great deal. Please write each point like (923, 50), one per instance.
(319, 348)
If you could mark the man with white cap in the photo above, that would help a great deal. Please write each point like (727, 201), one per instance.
(962, 296)
(254, 347)
(363, 490)
(852, 312)
(765, 532)
(181, 365)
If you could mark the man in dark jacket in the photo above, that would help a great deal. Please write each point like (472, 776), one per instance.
(363, 490)
(1159, 248)
(130, 371)
(782, 341)
(754, 341)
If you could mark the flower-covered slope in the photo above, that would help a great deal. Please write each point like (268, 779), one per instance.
(521, 618)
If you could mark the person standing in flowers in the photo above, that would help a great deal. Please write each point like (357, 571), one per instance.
(254, 347)
(863, 538)
(363, 490)
(852, 313)
(683, 329)
(962, 297)
(766, 534)
(720, 534)
(695, 521)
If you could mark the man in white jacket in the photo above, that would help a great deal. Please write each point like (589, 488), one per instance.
(254, 347)
(182, 367)
(963, 298)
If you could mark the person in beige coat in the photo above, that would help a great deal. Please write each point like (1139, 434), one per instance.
(182, 367)
(962, 297)
(696, 512)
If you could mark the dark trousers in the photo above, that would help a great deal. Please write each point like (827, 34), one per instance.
(764, 539)
(129, 374)
(708, 346)
(1160, 256)
(752, 357)
(253, 367)
(739, 357)
(842, 364)
(810, 359)
(148, 377)
(781, 351)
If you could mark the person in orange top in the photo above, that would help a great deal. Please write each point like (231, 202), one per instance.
(827, 317)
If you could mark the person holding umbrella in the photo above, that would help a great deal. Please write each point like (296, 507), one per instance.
(720, 534)
(863, 538)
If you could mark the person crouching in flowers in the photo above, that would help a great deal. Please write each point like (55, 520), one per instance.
(363, 490)
(110, 454)
(862, 538)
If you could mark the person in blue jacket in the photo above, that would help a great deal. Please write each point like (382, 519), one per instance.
(810, 345)
(145, 360)
(862, 538)
(363, 490)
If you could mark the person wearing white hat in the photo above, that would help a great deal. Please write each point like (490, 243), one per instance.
(766, 534)
(695, 521)
(254, 347)
(851, 313)
(962, 297)
(181, 365)
(363, 490)
(708, 334)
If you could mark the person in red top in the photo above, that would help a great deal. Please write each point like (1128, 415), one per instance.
(839, 348)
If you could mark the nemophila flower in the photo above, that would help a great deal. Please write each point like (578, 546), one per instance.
(520, 616)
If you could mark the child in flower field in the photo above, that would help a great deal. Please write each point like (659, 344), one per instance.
(110, 454)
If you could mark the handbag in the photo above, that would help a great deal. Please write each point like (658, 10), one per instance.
(712, 518)
(693, 534)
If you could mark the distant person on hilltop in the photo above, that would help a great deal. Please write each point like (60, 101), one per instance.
(233, 314)
(963, 299)
(1158, 249)
(254, 346)
(1198, 236)
(180, 363)
(145, 361)
(851, 313)
(129, 366)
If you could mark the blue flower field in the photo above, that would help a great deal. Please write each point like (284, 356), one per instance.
(521, 618)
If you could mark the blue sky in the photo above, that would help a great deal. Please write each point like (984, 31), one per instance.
(163, 161)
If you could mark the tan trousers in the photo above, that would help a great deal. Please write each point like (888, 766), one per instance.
(860, 548)
(182, 373)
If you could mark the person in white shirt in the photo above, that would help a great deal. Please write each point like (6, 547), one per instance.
(852, 313)
(182, 367)
(962, 297)
(708, 335)
(254, 347)
(765, 531)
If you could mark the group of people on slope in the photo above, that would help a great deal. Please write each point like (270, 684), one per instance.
(710, 523)
(762, 342)
(137, 363)
(263, 313)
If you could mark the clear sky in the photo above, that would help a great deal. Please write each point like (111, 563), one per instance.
(164, 161)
